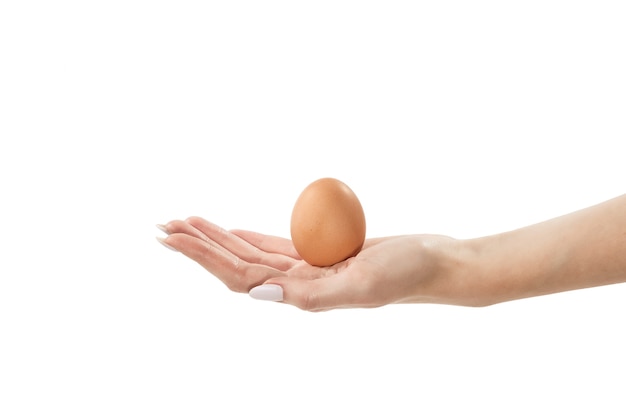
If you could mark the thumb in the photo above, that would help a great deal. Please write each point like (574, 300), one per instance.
(310, 295)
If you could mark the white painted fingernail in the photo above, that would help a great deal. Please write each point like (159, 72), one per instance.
(162, 242)
(162, 228)
(267, 292)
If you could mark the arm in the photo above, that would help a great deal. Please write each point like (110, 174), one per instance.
(583, 249)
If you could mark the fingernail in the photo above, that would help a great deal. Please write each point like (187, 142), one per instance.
(162, 228)
(162, 242)
(267, 292)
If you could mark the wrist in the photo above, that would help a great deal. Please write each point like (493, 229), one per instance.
(469, 273)
(452, 271)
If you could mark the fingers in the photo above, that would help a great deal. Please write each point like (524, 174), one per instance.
(240, 247)
(238, 274)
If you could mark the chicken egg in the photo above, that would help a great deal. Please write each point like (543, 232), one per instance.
(327, 223)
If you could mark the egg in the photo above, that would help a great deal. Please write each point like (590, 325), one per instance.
(327, 223)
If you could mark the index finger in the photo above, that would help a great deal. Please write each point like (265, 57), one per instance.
(268, 243)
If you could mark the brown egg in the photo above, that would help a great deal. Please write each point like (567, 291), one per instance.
(327, 223)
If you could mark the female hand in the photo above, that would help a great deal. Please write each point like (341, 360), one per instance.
(387, 270)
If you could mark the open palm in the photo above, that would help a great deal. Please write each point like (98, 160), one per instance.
(386, 270)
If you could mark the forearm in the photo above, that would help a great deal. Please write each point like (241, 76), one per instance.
(583, 249)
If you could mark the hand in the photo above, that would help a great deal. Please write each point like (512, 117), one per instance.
(387, 270)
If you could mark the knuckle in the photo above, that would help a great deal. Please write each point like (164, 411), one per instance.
(308, 301)
(236, 286)
(193, 220)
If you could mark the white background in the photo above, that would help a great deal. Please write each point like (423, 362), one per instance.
(463, 118)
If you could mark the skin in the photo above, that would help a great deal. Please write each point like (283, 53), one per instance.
(582, 249)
